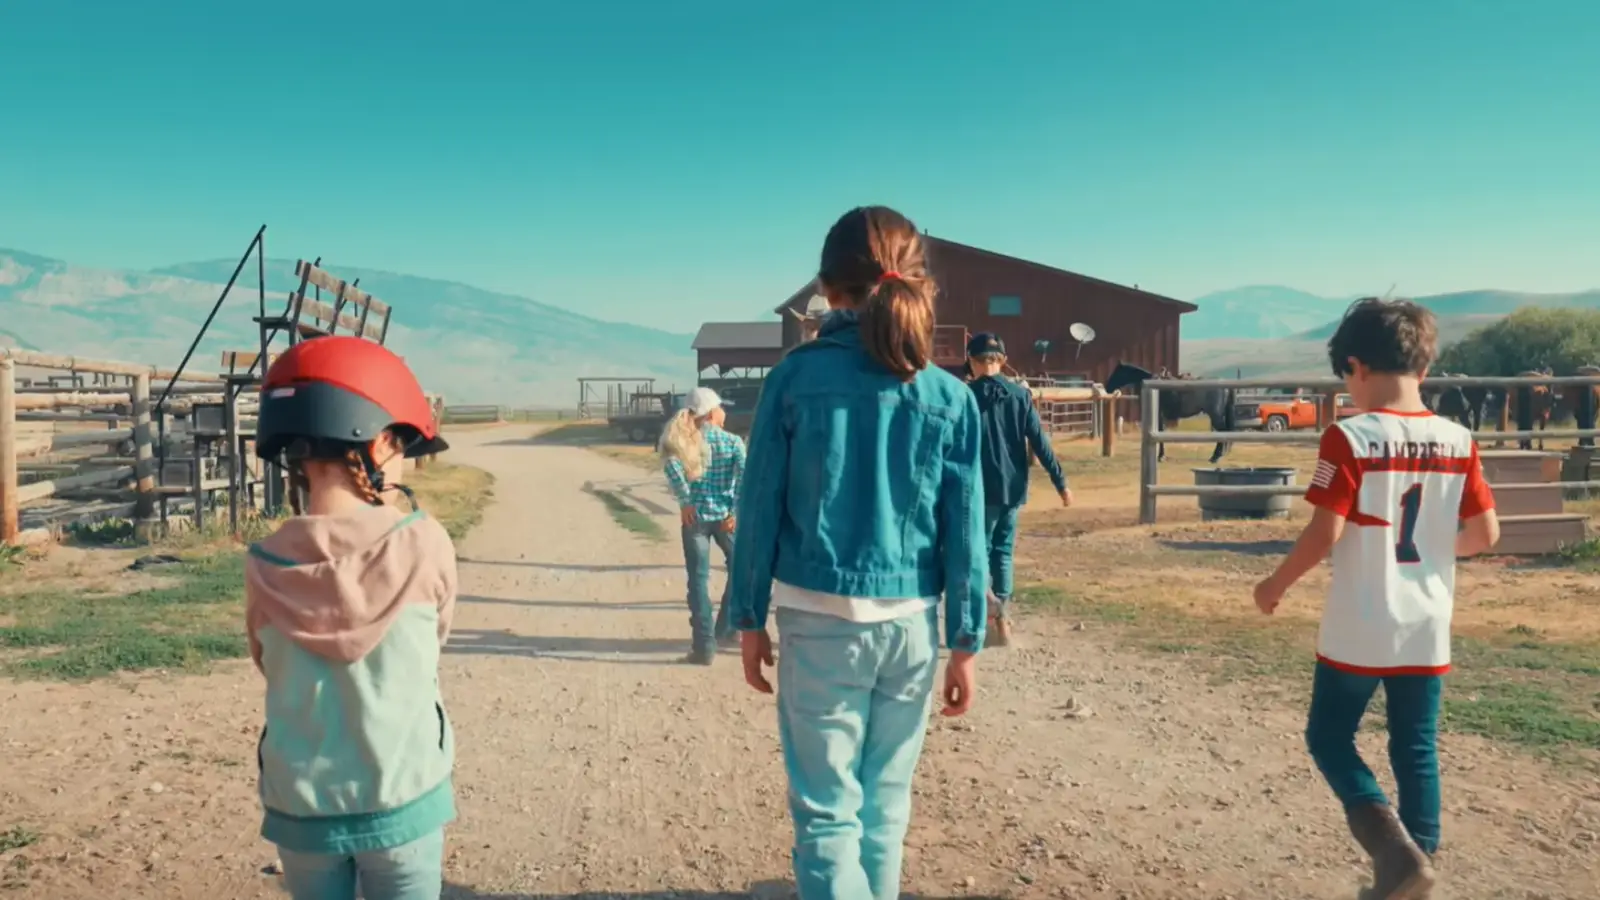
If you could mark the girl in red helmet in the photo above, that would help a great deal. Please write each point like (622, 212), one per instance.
(347, 608)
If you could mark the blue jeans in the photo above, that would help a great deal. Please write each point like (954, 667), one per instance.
(852, 711)
(697, 540)
(1000, 524)
(413, 871)
(1338, 702)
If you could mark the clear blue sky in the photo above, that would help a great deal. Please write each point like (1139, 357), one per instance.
(668, 162)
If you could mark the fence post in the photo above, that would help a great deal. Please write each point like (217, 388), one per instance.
(1149, 446)
(143, 457)
(8, 452)
(1108, 426)
(1328, 410)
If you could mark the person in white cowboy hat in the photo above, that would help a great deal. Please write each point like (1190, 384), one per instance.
(816, 309)
(704, 465)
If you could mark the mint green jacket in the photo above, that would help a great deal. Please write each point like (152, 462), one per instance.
(347, 615)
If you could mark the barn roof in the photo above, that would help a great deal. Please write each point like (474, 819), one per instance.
(937, 247)
(739, 336)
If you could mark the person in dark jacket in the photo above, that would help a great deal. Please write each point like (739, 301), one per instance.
(1012, 434)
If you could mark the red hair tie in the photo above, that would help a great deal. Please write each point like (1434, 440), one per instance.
(891, 274)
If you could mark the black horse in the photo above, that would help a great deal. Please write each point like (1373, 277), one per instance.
(1216, 403)
(1586, 403)
(1468, 405)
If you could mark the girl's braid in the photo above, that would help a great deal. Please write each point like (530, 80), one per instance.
(358, 474)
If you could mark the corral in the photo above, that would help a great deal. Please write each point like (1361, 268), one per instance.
(84, 441)
(1534, 520)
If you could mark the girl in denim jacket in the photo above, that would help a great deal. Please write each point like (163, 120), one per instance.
(862, 504)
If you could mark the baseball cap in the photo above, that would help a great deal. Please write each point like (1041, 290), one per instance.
(986, 344)
(702, 400)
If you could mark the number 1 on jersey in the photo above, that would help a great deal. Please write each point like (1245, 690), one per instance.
(1405, 549)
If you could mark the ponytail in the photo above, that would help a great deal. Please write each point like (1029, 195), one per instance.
(897, 326)
(876, 256)
(681, 440)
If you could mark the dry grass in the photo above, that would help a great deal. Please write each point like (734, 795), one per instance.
(602, 439)
(76, 612)
(1527, 647)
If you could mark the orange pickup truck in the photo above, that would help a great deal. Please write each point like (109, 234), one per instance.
(1270, 413)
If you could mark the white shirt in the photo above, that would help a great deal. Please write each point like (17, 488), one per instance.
(1402, 482)
(865, 610)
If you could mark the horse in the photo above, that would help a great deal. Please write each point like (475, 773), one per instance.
(1586, 403)
(1449, 401)
(1467, 405)
(1216, 403)
(1532, 405)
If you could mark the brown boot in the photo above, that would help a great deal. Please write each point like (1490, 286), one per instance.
(1400, 870)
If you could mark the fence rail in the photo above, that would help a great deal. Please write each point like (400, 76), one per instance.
(465, 415)
(1152, 436)
(113, 456)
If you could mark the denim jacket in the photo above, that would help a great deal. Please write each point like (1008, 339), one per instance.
(860, 484)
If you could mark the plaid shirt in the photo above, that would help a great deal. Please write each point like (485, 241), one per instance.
(714, 495)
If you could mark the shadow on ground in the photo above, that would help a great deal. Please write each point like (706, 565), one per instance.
(766, 890)
(651, 606)
(614, 650)
(1246, 548)
(573, 567)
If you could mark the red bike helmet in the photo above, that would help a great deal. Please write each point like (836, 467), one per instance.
(329, 395)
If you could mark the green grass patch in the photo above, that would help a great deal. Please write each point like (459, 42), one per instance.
(72, 635)
(1583, 554)
(16, 837)
(195, 614)
(1515, 688)
(629, 516)
(11, 557)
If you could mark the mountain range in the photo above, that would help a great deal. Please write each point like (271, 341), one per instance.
(1268, 330)
(479, 346)
(472, 345)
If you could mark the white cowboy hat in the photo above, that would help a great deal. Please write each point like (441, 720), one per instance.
(816, 308)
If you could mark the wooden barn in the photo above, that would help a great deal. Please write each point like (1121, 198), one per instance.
(1032, 306)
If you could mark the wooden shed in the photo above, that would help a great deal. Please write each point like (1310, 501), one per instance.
(1031, 306)
(727, 346)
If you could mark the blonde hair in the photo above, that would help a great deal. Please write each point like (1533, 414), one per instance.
(681, 440)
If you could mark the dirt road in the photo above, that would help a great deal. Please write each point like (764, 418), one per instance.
(592, 766)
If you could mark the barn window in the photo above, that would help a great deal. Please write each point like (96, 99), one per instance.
(1005, 305)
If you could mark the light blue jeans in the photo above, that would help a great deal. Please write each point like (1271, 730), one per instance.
(852, 711)
(413, 871)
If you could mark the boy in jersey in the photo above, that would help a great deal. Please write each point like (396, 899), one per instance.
(1012, 433)
(1391, 487)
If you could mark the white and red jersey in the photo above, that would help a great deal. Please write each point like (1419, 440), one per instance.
(1402, 482)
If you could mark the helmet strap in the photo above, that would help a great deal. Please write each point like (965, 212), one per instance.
(374, 473)
(376, 479)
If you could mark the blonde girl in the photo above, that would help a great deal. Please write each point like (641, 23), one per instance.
(704, 464)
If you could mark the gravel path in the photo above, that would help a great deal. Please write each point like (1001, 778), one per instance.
(591, 765)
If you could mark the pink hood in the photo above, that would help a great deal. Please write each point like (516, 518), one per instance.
(334, 584)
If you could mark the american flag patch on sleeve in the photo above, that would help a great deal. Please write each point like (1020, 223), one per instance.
(1323, 476)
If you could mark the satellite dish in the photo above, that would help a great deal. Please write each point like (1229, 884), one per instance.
(1081, 333)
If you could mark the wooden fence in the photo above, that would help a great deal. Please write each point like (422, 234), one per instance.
(1152, 437)
(471, 415)
(83, 446)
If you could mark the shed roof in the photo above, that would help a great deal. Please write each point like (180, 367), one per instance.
(739, 336)
(938, 247)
